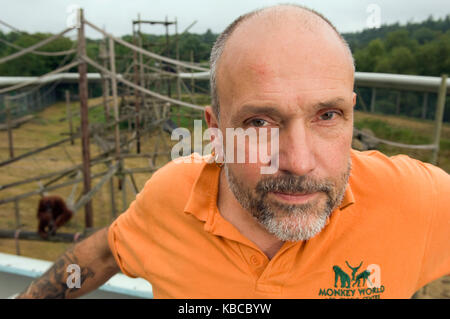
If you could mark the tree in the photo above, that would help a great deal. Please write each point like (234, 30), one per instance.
(402, 60)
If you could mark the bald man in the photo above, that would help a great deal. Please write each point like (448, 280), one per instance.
(331, 222)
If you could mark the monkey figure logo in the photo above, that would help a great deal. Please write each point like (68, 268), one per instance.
(341, 275)
(356, 283)
(52, 213)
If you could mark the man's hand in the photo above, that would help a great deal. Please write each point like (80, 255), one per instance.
(96, 262)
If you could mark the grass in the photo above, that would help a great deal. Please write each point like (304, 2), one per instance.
(407, 131)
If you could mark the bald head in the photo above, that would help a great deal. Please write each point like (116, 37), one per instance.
(276, 27)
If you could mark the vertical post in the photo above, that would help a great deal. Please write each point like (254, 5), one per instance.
(18, 225)
(141, 62)
(192, 77)
(425, 105)
(177, 52)
(124, 190)
(105, 83)
(9, 126)
(440, 106)
(113, 201)
(83, 92)
(69, 116)
(112, 61)
(166, 24)
(372, 101)
(137, 105)
(17, 214)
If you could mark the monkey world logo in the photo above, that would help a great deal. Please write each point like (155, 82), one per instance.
(364, 284)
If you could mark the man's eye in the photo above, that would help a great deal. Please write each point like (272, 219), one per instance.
(257, 122)
(327, 116)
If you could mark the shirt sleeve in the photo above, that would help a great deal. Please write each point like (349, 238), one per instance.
(127, 237)
(436, 259)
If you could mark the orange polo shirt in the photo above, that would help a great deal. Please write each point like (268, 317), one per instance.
(389, 237)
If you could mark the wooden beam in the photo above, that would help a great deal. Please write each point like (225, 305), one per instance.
(83, 93)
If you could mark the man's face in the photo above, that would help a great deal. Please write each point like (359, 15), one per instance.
(300, 82)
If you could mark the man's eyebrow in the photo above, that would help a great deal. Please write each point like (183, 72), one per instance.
(339, 101)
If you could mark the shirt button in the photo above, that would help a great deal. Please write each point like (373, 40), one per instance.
(254, 260)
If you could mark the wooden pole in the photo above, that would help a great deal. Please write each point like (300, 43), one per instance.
(136, 95)
(440, 106)
(112, 61)
(9, 126)
(166, 24)
(113, 201)
(177, 48)
(17, 214)
(83, 93)
(192, 77)
(105, 82)
(69, 116)
(372, 101)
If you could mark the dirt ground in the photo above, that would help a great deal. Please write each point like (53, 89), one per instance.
(48, 126)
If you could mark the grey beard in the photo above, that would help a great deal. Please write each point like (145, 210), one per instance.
(290, 222)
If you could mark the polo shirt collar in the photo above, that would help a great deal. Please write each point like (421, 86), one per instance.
(202, 202)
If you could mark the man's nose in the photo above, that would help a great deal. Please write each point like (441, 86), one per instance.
(297, 156)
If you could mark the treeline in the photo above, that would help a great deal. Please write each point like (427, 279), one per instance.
(415, 48)
(195, 47)
(421, 48)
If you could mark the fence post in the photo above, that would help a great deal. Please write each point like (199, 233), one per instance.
(9, 127)
(113, 201)
(83, 92)
(69, 116)
(372, 101)
(440, 106)
(137, 102)
(17, 214)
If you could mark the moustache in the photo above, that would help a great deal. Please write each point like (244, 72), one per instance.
(293, 184)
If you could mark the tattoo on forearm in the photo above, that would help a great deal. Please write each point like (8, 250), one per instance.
(52, 284)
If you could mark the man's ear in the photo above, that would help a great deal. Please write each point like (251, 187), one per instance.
(354, 99)
(210, 117)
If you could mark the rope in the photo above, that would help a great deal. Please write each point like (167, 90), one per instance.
(16, 239)
(10, 26)
(145, 52)
(376, 139)
(31, 91)
(56, 53)
(33, 47)
(139, 88)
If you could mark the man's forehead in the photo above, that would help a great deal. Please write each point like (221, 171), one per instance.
(264, 46)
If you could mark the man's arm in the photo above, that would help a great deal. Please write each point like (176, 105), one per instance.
(96, 262)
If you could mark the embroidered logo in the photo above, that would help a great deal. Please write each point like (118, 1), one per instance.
(365, 284)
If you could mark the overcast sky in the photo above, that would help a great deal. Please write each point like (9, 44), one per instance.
(116, 15)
